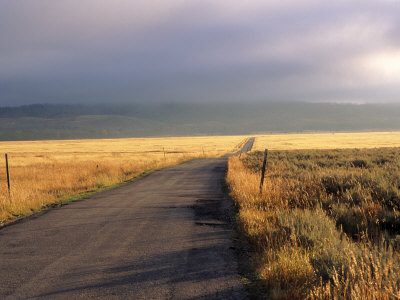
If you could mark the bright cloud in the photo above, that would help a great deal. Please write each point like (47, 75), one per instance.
(383, 66)
(214, 50)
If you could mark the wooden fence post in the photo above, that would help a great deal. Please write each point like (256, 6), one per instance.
(8, 177)
(164, 152)
(263, 169)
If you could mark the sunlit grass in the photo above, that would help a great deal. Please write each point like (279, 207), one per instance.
(44, 171)
(327, 141)
(327, 224)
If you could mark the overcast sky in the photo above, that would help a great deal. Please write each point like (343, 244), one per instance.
(71, 51)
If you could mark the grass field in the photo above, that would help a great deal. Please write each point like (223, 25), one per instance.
(327, 141)
(43, 172)
(327, 225)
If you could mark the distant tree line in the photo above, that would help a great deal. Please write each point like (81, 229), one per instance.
(66, 121)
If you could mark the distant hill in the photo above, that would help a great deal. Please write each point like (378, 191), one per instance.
(49, 121)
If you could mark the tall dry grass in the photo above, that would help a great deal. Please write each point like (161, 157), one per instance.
(294, 227)
(43, 172)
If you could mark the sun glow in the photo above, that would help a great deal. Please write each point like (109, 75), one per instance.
(385, 65)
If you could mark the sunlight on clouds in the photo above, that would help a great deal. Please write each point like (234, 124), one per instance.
(239, 10)
(385, 65)
(320, 49)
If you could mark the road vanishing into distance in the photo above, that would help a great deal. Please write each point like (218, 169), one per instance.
(165, 236)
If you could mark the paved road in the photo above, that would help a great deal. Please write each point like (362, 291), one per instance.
(165, 236)
(247, 146)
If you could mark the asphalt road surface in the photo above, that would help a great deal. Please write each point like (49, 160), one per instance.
(166, 236)
(247, 146)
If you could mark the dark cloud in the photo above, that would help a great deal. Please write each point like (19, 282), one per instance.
(98, 51)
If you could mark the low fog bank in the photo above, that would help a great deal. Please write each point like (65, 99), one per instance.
(52, 121)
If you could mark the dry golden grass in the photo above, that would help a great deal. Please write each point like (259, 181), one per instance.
(327, 141)
(326, 225)
(44, 171)
(300, 253)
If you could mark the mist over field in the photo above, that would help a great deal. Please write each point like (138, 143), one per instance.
(50, 121)
(235, 147)
(176, 67)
